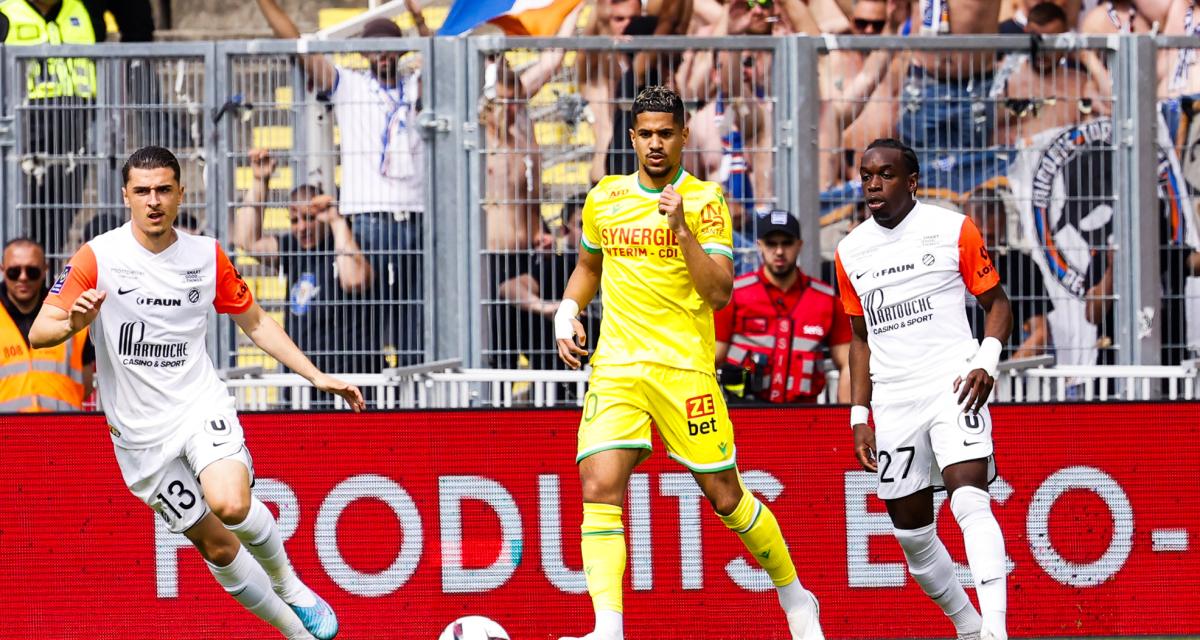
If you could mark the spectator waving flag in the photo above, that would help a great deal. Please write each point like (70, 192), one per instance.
(516, 17)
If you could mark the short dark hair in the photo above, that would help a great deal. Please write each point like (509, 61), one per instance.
(659, 99)
(1045, 13)
(906, 152)
(151, 157)
(303, 193)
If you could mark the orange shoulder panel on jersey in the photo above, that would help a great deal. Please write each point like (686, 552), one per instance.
(976, 266)
(850, 302)
(78, 276)
(233, 294)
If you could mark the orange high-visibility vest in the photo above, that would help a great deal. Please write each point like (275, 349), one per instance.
(34, 380)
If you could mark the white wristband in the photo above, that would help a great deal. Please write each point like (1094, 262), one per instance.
(564, 329)
(987, 357)
(858, 415)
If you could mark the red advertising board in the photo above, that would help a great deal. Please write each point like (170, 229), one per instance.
(406, 521)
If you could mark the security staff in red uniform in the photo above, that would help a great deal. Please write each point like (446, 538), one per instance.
(780, 322)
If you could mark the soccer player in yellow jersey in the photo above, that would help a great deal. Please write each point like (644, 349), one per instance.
(660, 243)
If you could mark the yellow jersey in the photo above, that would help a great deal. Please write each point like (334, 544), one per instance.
(652, 312)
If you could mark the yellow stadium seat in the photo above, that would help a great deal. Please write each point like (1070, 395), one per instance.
(272, 137)
(559, 133)
(276, 219)
(244, 177)
(567, 173)
(267, 287)
(434, 17)
(283, 96)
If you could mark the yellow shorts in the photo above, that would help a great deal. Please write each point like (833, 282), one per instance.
(686, 405)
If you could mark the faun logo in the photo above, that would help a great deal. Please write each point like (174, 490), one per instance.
(900, 268)
(160, 302)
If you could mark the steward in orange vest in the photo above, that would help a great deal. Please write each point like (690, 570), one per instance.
(54, 379)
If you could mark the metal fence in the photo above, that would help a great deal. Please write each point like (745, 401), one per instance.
(1075, 157)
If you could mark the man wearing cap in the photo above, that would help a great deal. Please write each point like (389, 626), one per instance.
(382, 192)
(779, 321)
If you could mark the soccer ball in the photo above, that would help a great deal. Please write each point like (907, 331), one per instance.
(474, 628)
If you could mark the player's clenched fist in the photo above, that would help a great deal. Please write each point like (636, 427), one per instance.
(864, 446)
(670, 204)
(569, 333)
(86, 306)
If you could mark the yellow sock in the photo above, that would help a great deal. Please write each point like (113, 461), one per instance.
(603, 546)
(759, 530)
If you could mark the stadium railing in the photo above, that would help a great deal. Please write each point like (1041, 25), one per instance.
(454, 388)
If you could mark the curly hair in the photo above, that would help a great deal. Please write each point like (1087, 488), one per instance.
(659, 99)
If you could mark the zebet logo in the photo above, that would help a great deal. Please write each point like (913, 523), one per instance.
(701, 407)
(138, 352)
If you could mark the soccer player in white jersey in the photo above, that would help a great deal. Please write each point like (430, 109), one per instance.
(903, 275)
(174, 429)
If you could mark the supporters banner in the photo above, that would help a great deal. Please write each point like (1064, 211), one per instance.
(405, 521)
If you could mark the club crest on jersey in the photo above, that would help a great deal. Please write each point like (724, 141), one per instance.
(62, 279)
(194, 295)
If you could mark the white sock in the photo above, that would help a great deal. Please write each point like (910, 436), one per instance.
(248, 584)
(260, 536)
(793, 596)
(931, 567)
(609, 625)
(984, 544)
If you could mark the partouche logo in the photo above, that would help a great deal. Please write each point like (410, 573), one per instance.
(132, 343)
(701, 407)
(897, 315)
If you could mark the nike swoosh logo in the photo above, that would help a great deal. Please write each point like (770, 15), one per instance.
(859, 275)
(122, 292)
(218, 444)
(967, 444)
(988, 581)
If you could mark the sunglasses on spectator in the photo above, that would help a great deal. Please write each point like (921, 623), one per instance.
(14, 273)
(765, 4)
(862, 24)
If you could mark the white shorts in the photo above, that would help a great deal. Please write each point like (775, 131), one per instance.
(915, 439)
(166, 476)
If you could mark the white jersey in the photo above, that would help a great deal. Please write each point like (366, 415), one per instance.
(152, 362)
(910, 285)
(383, 154)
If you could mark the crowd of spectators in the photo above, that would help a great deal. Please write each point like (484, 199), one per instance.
(980, 121)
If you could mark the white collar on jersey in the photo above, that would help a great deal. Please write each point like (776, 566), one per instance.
(654, 193)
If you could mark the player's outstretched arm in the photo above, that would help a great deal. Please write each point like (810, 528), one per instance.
(270, 337)
(860, 393)
(53, 326)
(320, 72)
(975, 388)
(569, 333)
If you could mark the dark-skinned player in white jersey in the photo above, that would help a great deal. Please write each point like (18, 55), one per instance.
(903, 274)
